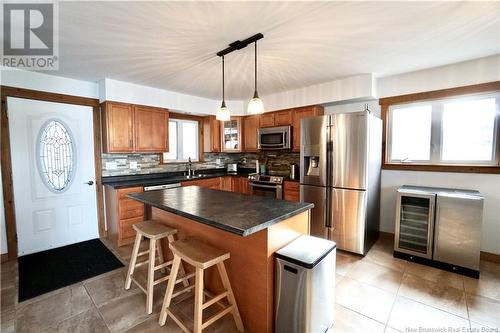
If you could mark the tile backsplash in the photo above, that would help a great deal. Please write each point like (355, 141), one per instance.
(120, 164)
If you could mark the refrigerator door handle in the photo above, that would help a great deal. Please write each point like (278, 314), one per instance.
(328, 220)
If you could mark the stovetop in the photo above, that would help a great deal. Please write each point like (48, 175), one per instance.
(255, 177)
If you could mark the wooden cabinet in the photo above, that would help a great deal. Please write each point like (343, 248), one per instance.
(283, 118)
(213, 183)
(231, 135)
(122, 213)
(291, 191)
(151, 129)
(117, 127)
(211, 135)
(240, 185)
(132, 128)
(267, 119)
(226, 183)
(250, 130)
(298, 114)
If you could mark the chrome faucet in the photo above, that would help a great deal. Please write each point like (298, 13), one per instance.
(189, 167)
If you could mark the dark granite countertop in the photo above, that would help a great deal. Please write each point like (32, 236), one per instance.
(239, 214)
(167, 178)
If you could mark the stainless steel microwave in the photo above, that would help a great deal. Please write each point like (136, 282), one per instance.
(271, 138)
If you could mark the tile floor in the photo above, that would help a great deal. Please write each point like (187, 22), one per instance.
(377, 293)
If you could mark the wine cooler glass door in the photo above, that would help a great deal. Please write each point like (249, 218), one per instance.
(415, 223)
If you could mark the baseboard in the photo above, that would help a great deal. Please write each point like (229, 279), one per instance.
(493, 257)
(487, 256)
(4, 257)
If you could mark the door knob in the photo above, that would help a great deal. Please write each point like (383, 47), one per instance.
(89, 183)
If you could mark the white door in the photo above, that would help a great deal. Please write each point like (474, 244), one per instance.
(52, 150)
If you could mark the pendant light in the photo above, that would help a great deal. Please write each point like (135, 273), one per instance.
(223, 112)
(255, 106)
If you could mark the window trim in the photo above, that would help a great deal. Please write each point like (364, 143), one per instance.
(199, 119)
(465, 91)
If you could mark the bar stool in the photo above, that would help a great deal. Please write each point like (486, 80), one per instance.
(155, 232)
(201, 256)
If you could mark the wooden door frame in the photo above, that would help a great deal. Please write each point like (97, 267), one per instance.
(6, 167)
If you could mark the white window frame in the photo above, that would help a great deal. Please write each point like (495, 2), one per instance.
(180, 142)
(437, 132)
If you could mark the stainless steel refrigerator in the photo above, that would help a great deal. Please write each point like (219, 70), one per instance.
(340, 160)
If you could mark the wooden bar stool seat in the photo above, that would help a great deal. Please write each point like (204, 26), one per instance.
(201, 256)
(155, 232)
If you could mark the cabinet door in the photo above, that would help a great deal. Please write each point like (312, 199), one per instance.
(118, 130)
(283, 118)
(151, 129)
(267, 120)
(211, 135)
(298, 115)
(291, 191)
(231, 135)
(250, 128)
(226, 184)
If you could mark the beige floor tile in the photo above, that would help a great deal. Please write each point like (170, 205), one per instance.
(487, 285)
(86, 322)
(391, 330)
(8, 274)
(375, 275)
(7, 321)
(53, 309)
(408, 314)
(108, 288)
(434, 294)
(436, 275)
(483, 310)
(151, 325)
(344, 262)
(126, 312)
(365, 299)
(8, 298)
(381, 253)
(338, 278)
(348, 321)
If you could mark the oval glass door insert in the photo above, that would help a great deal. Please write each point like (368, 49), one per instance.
(56, 155)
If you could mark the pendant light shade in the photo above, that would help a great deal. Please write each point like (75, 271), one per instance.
(223, 113)
(255, 106)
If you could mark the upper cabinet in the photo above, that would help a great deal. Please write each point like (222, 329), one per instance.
(250, 130)
(231, 135)
(283, 118)
(211, 135)
(151, 127)
(131, 128)
(267, 120)
(301, 113)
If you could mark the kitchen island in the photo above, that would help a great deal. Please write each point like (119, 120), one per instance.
(251, 228)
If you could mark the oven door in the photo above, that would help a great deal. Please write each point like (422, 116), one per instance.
(274, 138)
(266, 190)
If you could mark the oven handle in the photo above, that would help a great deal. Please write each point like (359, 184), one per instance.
(272, 144)
(263, 186)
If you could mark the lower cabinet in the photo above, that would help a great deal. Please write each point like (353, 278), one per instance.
(213, 183)
(291, 191)
(122, 213)
(240, 185)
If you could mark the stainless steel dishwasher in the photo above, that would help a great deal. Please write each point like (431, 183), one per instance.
(439, 226)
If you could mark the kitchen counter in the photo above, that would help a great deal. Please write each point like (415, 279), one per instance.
(167, 178)
(250, 228)
(246, 215)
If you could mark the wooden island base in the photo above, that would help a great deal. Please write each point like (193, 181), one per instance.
(251, 266)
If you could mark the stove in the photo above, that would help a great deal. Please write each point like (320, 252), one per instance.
(266, 185)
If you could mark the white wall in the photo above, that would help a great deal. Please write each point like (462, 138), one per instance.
(373, 106)
(113, 90)
(358, 87)
(3, 233)
(461, 74)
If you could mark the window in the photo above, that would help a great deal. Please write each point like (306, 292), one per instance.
(452, 131)
(183, 141)
(56, 155)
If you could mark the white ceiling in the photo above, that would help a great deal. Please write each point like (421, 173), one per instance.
(172, 45)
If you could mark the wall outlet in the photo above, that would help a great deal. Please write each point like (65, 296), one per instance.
(133, 165)
(111, 166)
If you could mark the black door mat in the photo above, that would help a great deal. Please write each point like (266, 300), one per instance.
(49, 270)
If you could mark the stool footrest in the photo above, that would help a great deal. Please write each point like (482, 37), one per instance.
(142, 253)
(214, 300)
(217, 316)
(178, 321)
(165, 264)
(182, 291)
(139, 285)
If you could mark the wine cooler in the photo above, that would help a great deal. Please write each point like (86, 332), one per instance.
(439, 226)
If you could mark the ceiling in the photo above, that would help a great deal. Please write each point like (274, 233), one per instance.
(172, 45)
